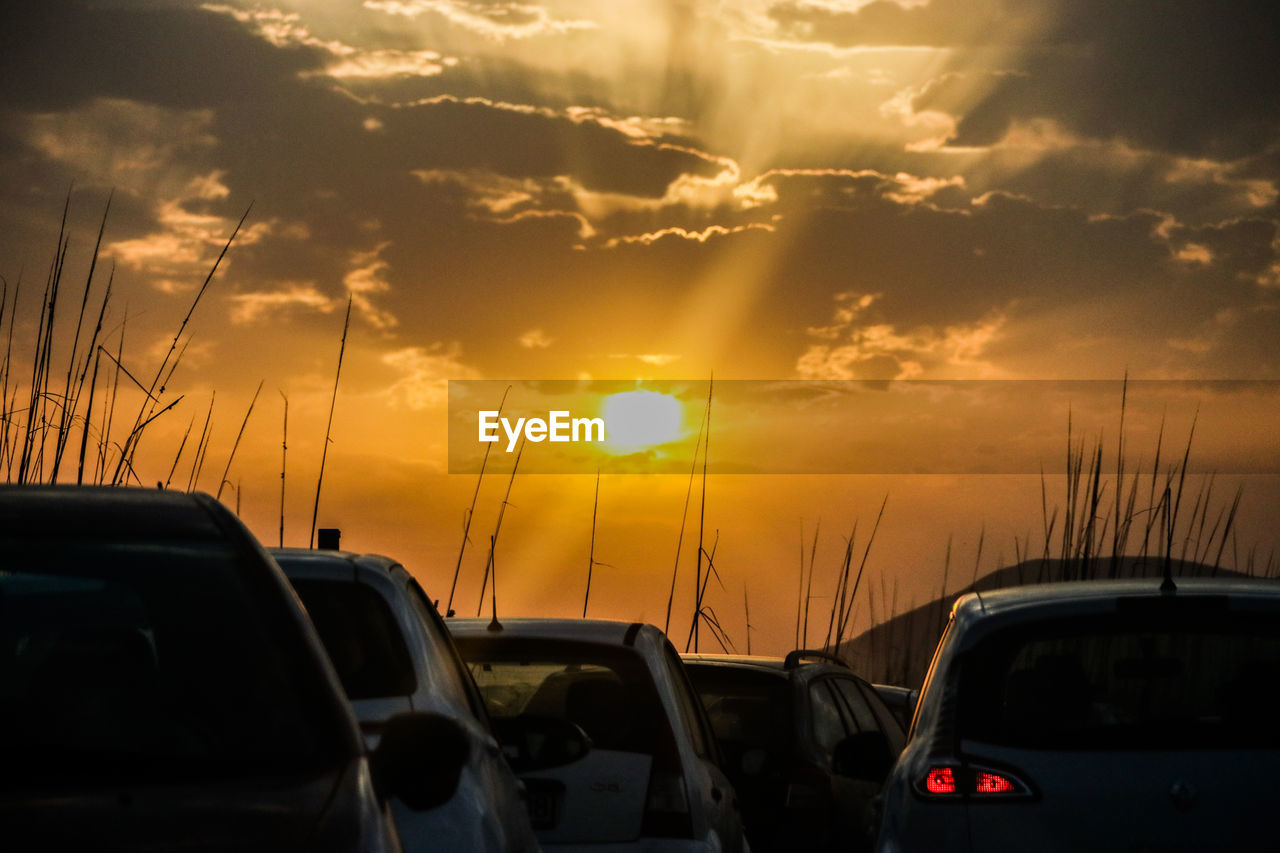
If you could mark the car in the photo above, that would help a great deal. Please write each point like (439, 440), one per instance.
(1096, 715)
(901, 701)
(161, 689)
(393, 655)
(650, 779)
(807, 744)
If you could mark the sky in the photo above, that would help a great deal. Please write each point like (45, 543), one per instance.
(767, 190)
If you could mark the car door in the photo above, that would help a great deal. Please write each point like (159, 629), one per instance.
(709, 787)
(502, 795)
(855, 797)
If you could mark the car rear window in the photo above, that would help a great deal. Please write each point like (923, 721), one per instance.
(154, 661)
(606, 690)
(747, 709)
(1185, 678)
(360, 633)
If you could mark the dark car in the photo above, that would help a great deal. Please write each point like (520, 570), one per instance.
(161, 689)
(1096, 715)
(806, 745)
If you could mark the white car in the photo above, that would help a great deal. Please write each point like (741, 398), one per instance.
(1098, 716)
(650, 780)
(393, 655)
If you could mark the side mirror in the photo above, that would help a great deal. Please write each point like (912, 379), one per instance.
(535, 742)
(419, 759)
(865, 756)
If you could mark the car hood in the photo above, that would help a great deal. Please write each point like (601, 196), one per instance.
(278, 814)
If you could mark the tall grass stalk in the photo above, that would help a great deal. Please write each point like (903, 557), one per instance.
(497, 528)
(177, 457)
(808, 594)
(853, 593)
(236, 444)
(591, 550)
(155, 390)
(705, 612)
(471, 512)
(333, 402)
(699, 586)
(684, 518)
(284, 460)
(202, 446)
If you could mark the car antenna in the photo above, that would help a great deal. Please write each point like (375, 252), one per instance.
(1167, 586)
(494, 624)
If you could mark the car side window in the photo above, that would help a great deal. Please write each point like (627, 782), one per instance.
(824, 716)
(888, 722)
(856, 704)
(443, 658)
(686, 703)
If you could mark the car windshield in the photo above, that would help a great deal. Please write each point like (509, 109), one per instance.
(1185, 678)
(605, 690)
(148, 661)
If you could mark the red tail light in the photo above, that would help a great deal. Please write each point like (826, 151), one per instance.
(950, 781)
(940, 780)
(993, 783)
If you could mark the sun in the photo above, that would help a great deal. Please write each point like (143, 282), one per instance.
(639, 419)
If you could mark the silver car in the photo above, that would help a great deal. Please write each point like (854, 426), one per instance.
(1099, 716)
(393, 655)
(650, 780)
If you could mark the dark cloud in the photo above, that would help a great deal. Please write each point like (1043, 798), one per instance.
(942, 23)
(54, 55)
(1188, 76)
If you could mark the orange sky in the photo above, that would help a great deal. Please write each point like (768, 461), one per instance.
(631, 189)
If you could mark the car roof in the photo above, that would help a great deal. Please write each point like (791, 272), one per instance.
(337, 565)
(1100, 594)
(762, 662)
(976, 612)
(115, 512)
(603, 631)
(806, 668)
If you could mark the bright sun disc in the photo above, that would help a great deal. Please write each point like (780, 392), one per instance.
(641, 419)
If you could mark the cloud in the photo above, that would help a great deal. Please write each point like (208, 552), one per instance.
(250, 307)
(535, 339)
(658, 359)
(1043, 159)
(708, 233)
(495, 198)
(57, 54)
(365, 278)
(888, 23)
(497, 21)
(125, 143)
(187, 242)
(852, 349)
(1181, 76)
(424, 374)
(285, 30)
